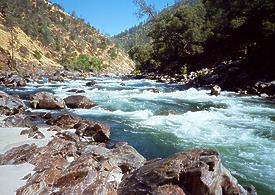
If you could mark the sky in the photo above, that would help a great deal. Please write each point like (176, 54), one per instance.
(108, 16)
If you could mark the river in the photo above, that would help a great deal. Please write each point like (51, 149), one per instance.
(241, 128)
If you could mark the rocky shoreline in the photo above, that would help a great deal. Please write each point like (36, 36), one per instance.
(79, 158)
(229, 76)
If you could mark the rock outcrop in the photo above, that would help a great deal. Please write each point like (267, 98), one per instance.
(196, 171)
(79, 101)
(45, 100)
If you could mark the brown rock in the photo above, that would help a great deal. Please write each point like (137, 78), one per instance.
(19, 155)
(10, 105)
(95, 131)
(79, 101)
(196, 171)
(45, 100)
(168, 190)
(64, 121)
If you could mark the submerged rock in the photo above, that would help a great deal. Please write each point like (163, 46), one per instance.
(216, 90)
(10, 105)
(79, 101)
(45, 100)
(196, 171)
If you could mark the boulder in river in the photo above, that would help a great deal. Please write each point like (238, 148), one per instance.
(10, 105)
(90, 83)
(195, 171)
(76, 91)
(216, 90)
(45, 100)
(79, 101)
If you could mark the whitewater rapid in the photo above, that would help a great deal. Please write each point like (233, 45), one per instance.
(241, 128)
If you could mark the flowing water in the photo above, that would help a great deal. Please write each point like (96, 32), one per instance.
(241, 128)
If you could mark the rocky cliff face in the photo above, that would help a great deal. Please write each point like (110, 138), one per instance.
(41, 35)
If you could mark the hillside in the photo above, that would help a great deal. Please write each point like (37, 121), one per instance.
(41, 35)
(137, 35)
(192, 35)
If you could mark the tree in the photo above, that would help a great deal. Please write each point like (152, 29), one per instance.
(144, 9)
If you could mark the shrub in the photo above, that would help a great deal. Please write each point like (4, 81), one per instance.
(96, 64)
(37, 55)
(113, 53)
(184, 70)
(83, 62)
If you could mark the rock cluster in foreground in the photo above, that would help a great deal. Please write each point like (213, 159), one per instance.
(75, 162)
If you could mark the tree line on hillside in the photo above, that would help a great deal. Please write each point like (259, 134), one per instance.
(202, 33)
(70, 39)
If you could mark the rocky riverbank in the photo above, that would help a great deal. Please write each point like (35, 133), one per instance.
(230, 76)
(76, 155)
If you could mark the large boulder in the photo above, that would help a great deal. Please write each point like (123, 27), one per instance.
(45, 100)
(10, 105)
(196, 171)
(59, 169)
(79, 101)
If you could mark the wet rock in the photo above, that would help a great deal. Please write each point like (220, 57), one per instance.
(18, 120)
(45, 100)
(10, 105)
(90, 83)
(64, 121)
(15, 81)
(216, 90)
(153, 90)
(19, 155)
(76, 91)
(79, 101)
(196, 171)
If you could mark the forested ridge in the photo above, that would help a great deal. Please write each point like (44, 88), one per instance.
(196, 34)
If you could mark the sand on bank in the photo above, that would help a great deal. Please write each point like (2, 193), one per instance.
(11, 176)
